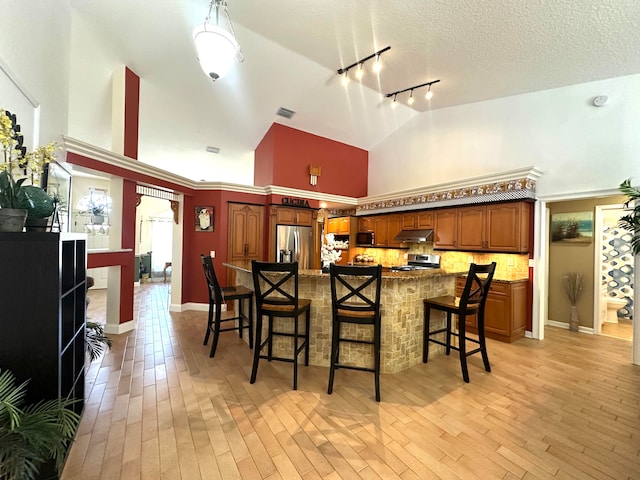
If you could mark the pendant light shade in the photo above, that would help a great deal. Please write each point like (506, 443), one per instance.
(217, 48)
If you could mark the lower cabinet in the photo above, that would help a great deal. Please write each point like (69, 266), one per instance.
(505, 314)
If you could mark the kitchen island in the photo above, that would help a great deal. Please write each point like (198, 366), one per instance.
(402, 316)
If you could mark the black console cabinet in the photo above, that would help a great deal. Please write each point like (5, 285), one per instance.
(42, 313)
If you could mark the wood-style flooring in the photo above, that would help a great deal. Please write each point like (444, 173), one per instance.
(158, 407)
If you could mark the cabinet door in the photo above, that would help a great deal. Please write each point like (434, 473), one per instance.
(471, 228)
(237, 229)
(285, 216)
(344, 225)
(365, 224)
(445, 229)
(304, 217)
(424, 219)
(409, 221)
(508, 227)
(254, 232)
(381, 229)
(332, 225)
(394, 227)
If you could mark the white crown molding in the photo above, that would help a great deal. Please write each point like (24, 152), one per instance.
(532, 173)
(106, 156)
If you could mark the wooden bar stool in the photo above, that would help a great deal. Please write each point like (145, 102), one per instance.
(219, 295)
(472, 301)
(276, 287)
(355, 299)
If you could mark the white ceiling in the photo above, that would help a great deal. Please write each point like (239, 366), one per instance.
(479, 50)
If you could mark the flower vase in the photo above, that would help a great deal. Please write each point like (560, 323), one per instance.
(12, 219)
(574, 320)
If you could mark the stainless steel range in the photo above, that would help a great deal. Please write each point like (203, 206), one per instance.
(418, 262)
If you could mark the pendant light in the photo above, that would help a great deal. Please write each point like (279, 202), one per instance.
(217, 47)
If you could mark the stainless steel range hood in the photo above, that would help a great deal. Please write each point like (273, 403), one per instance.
(414, 236)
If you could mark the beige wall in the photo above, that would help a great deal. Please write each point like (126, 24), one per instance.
(574, 257)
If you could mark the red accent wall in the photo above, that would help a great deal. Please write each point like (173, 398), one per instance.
(195, 243)
(283, 157)
(131, 113)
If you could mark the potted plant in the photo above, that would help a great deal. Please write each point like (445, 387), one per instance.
(631, 221)
(97, 210)
(96, 340)
(33, 434)
(18, 201)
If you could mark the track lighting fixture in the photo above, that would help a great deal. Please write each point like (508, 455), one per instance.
(411, 99)
(360, 65)
(217, 48)
(345, 79)
(394, 104)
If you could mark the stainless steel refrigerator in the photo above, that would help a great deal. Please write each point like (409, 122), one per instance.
(294, 244)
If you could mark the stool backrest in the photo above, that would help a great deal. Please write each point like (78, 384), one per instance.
(476, 289)
(215, 292)
(275, 284)
(349, 289)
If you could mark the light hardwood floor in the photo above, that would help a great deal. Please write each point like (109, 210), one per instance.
(159, 408)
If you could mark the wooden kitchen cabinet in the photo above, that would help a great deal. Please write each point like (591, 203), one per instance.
(294, 216)
(366, 224)
(417, 220)
(339, 225)
(500, 227)
(381, 230)
(445, 234)
(394, 228)
(505, 315)
(246, 231)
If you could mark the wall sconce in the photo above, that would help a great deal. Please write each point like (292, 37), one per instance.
(360, 64)
(314, 173)
(411, 98)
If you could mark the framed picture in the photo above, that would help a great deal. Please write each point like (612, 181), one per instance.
(56, 181)
(572, 227)
(204, 219)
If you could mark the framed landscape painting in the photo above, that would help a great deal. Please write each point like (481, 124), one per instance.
(575, 227)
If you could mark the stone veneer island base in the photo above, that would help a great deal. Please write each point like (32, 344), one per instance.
(402, 317)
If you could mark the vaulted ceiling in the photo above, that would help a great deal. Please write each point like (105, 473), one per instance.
(292, 49)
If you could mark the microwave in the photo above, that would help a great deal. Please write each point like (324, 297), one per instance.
(365, 239)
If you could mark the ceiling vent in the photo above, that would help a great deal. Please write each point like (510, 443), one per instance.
(213, 150)
(285, 112)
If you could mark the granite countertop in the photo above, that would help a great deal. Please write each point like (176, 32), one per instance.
(504, 279)
(245, 266)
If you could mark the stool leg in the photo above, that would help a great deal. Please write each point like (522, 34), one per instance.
(240, 319)
(216, 330)
(256, 351)
(295, 353)
(425, 336)
(250, 321)
(335, 336)
(270, 338)
(448, 334)
(376, 352)
(483, 342)
(306, 337)
(462, 347)
(209, 320)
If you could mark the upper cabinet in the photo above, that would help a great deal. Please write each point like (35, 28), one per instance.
(294, 216)
(366, 224)
(245, 231)
(501, 227)
(417, 220)
(339, 225)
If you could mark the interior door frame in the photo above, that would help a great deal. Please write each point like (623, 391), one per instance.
(541, 266)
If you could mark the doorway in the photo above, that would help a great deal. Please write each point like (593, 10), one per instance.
(614, 267)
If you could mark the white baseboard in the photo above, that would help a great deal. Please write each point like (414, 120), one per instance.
(565, 325)
(120, 328)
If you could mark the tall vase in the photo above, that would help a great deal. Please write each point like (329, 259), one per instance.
(12, 219)
(574, 320)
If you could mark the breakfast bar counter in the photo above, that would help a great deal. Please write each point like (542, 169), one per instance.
(402, 315)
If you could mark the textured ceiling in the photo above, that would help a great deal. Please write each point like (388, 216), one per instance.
(478, 50)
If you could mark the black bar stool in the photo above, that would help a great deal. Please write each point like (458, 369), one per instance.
(276, 287)
(217, 296)
(472, 301)
(355, 299)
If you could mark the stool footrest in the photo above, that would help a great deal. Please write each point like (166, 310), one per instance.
(353, 340)
(353, 367)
